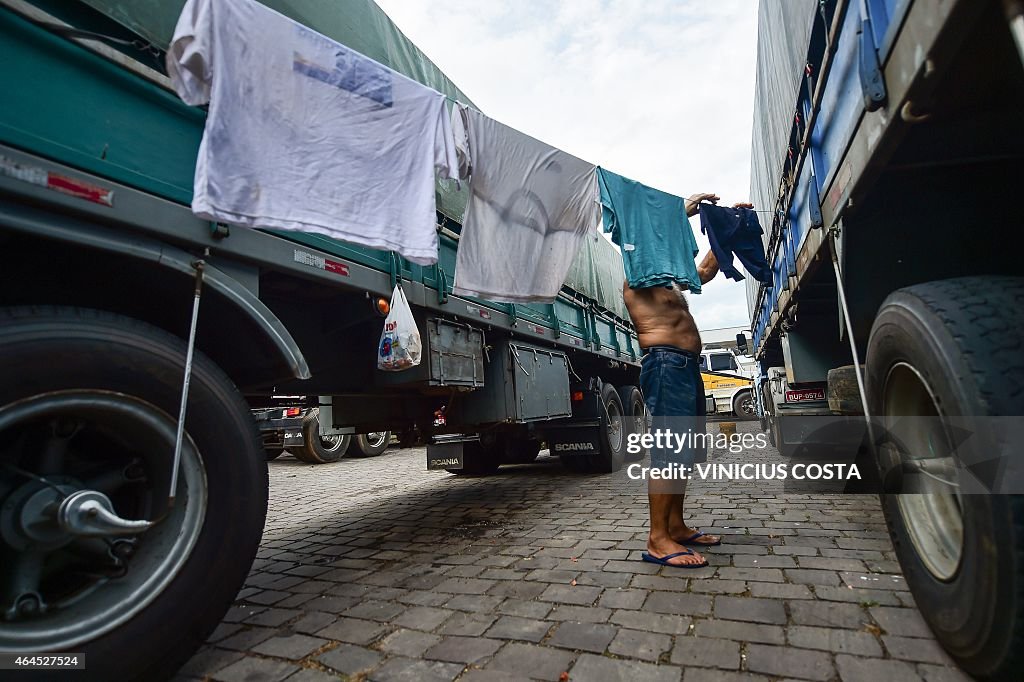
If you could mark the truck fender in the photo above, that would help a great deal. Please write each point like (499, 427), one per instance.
(284, 351)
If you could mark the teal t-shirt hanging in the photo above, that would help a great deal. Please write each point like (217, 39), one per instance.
(650, 226)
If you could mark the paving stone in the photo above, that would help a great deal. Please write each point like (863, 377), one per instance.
(580, 614)
(935, 673)
(916, 649)
(906, 622)
(353, 631)
(706, 652)
(312, 622)
(294, 647)
(462, 649)
(519, 589)
(251, 669)
(602, 669)
(835, 640)
(790, 662)
(653, 622)
(246, 639)
(874, 581)
(856, 669)
(408, 643)
(422, 618)
(524, 609)
(310, 675)
(647, 646)
(583, 636)
(349, 659)
(209, 660)
(862, 597)
(721, 586)
(704, 675)
(467, 624)
(272, 617)
(372, 609)
(622, 599)
(476, 675)
(780, 591)
(804, 576)
(513, 627)
(743, 632)
(465, 586)
(571, 594)
(750, 609)
(411, 670)
(677, 603)
(530, 660)
(769, 575)
(473, 602)
(827, 614)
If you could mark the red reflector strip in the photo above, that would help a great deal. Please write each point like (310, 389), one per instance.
(40, 177)
(82, 190)
(293, 412)
(577, 396)
(321, 263)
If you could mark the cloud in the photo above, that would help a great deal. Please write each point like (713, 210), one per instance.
(660, 91)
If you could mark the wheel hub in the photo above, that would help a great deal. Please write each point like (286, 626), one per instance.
(28, 518)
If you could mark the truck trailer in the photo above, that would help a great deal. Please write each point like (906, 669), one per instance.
(887, 143)
(129, 516)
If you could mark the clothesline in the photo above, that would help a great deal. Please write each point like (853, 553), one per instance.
(455, 101)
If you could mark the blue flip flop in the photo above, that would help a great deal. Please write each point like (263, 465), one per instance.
(698, 534)
(664, 560)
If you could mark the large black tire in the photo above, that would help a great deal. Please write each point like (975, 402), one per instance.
(370, 444)
(477, 460)
(961, 343)
(635, 417)
(743, 407)
(316, 449)
(97, 370)
(612, 438)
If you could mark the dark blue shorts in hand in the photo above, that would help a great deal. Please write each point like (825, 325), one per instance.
(674, 394)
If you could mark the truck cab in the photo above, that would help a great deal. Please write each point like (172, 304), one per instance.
(728, 382)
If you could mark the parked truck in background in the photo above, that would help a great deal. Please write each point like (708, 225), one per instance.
(729, 382)
(104, 267)
(888, 142)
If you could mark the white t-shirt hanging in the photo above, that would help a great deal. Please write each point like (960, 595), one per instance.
(530, 207)
(305, 134)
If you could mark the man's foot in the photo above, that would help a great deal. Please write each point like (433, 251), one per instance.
(683, 534)
(663, 548)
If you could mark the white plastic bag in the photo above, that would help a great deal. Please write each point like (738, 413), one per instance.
(400, 344)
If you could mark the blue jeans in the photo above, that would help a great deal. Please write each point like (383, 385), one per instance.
(674, 394)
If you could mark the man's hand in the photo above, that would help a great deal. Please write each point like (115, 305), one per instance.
(743, 204)
(692, 203)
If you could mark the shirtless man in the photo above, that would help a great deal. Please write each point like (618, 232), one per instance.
(672, 387)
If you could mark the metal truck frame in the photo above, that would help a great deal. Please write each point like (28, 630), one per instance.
(888, 141)
(129, 517)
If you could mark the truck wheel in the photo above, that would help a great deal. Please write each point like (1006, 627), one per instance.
(273, 453)
(948, 349)
(476, 460)
(318, 449)
(743, 406)
(612, 440)
(370, 444)
(88, 407)
(635, 417)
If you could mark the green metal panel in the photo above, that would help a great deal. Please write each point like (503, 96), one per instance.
(68, 104)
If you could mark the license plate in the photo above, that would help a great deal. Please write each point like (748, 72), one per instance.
(806, 395)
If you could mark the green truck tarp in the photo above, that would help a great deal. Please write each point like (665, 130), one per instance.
(363, 26)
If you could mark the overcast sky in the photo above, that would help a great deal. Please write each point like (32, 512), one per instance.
(660, 91)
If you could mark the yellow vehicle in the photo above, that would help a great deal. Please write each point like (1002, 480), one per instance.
(728, 384)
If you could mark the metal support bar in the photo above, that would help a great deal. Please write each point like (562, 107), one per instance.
(198, 265)
(442, 284)
(849, 334)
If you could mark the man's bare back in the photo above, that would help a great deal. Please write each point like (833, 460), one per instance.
(662, 317)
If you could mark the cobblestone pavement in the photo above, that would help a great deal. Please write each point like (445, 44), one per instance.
(374, 569)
